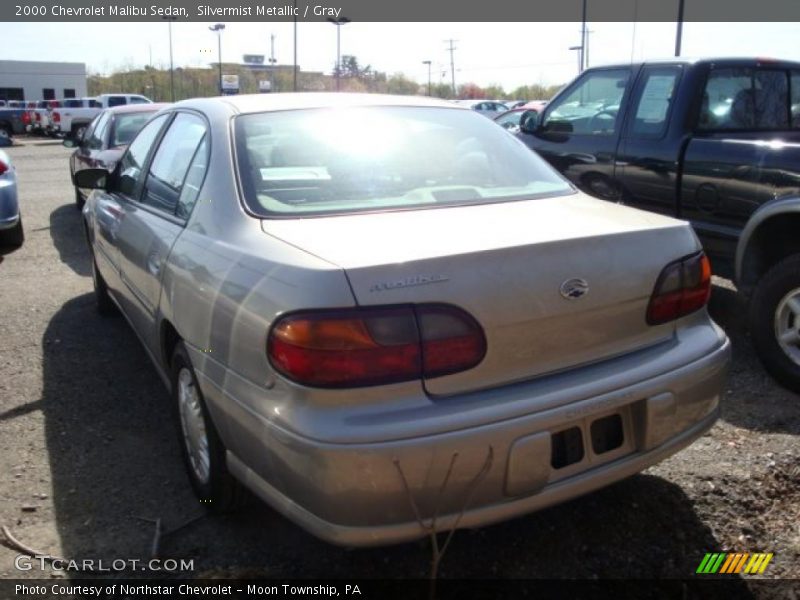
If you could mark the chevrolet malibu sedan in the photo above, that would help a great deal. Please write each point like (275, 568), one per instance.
(370, 310)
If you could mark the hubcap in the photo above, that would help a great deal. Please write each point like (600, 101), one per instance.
(4, 133)
(787, 325)
(193, 426)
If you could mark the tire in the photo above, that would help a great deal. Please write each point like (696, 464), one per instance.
(13, 237)
(103, 302)
(77, 131)
(79, 199)
(772, 317)
(201, 447)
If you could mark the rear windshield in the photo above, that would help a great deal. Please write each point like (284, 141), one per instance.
(322, 161)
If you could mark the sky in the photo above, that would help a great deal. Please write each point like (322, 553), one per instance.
(509, 54)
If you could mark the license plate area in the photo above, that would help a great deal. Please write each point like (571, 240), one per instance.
(590, 442)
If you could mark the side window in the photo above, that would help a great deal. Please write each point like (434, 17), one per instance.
(131, 174)
(654, 102)
(170, 166)
(194, 179)
(99, 131)
(116, 101)
(592, 106)
(795, 100)
(138, 100)
(745, 98)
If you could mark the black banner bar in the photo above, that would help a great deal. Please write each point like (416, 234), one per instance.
(399, 11)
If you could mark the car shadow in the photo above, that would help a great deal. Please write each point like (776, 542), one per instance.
(69, 238)
(115, 465)
(753, 399)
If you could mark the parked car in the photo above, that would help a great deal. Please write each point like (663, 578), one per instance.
(11, 232)
(713, 141)
(11, 123)
(74, 121)
(351, 294)
(106, 138)
(487, 108)
(74, 116)
(510, 119)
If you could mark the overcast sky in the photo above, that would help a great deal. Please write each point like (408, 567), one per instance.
(510, 54)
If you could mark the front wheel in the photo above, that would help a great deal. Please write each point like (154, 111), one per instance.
(775, 322)
(13, 237)
(202, 449)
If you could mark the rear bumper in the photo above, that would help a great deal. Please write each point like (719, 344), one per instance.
(353, 494)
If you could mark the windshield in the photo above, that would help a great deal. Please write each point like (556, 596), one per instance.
(323, 161)
(127, 125)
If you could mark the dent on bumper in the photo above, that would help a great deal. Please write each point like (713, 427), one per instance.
(353, 494)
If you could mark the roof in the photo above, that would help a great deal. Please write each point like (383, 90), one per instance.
(136, 108)
(252, 103)
(721, 60)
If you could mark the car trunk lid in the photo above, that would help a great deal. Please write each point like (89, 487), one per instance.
(555, 283)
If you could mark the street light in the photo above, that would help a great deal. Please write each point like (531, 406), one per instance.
(169, 21)
(427, 62)
(218, 28)
(338, 22)
(580, 56)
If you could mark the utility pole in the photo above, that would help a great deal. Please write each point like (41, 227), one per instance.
(451, 48)
(427, 62)
(294, 71)
(338, 22)
(218, 29)
(169, 21)
(583, 39)
(272, 61)
(679, 32)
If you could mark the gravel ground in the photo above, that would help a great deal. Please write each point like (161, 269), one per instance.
(88, 448)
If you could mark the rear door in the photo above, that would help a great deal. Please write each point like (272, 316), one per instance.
(153, 218)
(647, 161)
(581, 129)
(743, 153)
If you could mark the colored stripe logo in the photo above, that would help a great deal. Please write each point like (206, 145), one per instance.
(737, 562)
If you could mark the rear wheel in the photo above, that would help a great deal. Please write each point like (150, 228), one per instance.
(775, 322)
(13, 237)
(202, 449)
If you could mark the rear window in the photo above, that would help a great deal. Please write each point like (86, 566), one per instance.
(323, 161)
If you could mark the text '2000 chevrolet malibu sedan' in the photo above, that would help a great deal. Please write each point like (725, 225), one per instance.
(355, 298)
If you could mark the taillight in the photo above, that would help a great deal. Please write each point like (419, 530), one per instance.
(683, 287)
(374, 346)
(26, 118)
(56, 117)
(3, 168)
(38, 116)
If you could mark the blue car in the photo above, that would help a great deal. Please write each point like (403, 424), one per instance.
(11, 233)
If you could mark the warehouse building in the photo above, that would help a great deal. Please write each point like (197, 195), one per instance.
(32, 80)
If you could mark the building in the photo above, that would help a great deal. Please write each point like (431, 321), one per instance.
(32, 80)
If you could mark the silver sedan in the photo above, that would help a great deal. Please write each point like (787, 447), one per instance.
(371, 310)
(11, 232)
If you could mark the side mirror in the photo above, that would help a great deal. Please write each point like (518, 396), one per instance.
(92, 179)
(70, 143)
(529, 121)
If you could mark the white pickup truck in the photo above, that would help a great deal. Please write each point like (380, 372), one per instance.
(72, 120)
